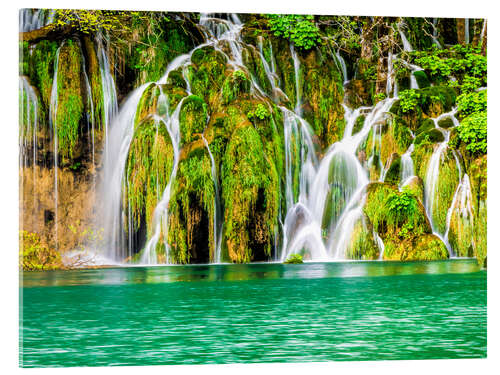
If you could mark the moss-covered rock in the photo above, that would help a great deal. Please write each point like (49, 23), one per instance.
(446, 122)
(322, 97)
(192, 210)
(70, 107)
(430, 136)
(362, 244)
(235, 85)
(425, 125)
(393, 173)
(207, 73)
(421, 79)
(399, 219)
(415, 185)
(148, 168)
(192, 118)
(250, 194)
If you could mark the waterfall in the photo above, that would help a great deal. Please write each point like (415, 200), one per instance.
(305, 228)
(434, 33)
(390, 74)
(120, 135)
(466, 27)
(343, 66)
(160, 214)
(407, 170)
(460, 205)
(90, 103)
(53, 126)
(29, 112)
(217, 221)
(406, 44)
(483, 31)
(298, 91)
(431, 195)
(110, 103)
(33, 19)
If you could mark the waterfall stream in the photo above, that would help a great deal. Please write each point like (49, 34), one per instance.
(324, 196)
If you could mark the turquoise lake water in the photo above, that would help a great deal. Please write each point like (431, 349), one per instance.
(253, 313)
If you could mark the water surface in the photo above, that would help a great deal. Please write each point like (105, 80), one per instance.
(253, 313)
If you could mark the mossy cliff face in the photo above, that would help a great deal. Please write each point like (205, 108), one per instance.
(229, 167)
(70, 225)
(406, 232)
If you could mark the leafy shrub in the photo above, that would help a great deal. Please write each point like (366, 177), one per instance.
(472, 131)
(401, 205)
(299, 29)
(34, 256)
(472, 102)
(260, 113)
(294, 259)
(408, 100)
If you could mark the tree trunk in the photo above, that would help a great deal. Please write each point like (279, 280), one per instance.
(50, 32)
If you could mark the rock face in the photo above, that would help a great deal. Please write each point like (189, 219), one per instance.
(222, 141)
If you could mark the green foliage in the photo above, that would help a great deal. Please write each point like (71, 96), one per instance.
(34, 256)
(472, 131)
(69, 98)
(408, 100)
(469, 103)
(379, 97)
(401, 205)
(89, 21)
(193, 118)
(294, 259)
(235, 85)
(260, 113)
(299, 29)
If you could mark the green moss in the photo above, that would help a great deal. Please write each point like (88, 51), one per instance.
(235, 85)
(250, 194)
(294, 259)
(421, 79)
(69, 98)
(430, 136)
(393, 173)
(34, 256)
(323, 96)
(193, 118)
(446, 123)
(159, 41)
(427, 247)
(148, 169)
(41, 69)
(362, 245)
(399, 219)
(425, 125)
(192, 210)
(358, 124)
(207, 74)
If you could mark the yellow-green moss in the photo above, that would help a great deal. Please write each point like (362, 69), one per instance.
(69, 98)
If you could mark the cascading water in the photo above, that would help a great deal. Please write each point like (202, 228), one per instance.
(160, 214)
(33, 19)
(323, 198)
(110, 103)
(217, 222)
(53, 127)
(431, 194)
(407, 169)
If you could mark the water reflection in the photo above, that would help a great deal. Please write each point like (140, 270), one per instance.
(239, 272)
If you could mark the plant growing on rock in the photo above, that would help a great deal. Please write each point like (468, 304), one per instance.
(472, 131)
(260, 113)
(299, 29)
(408, 100)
